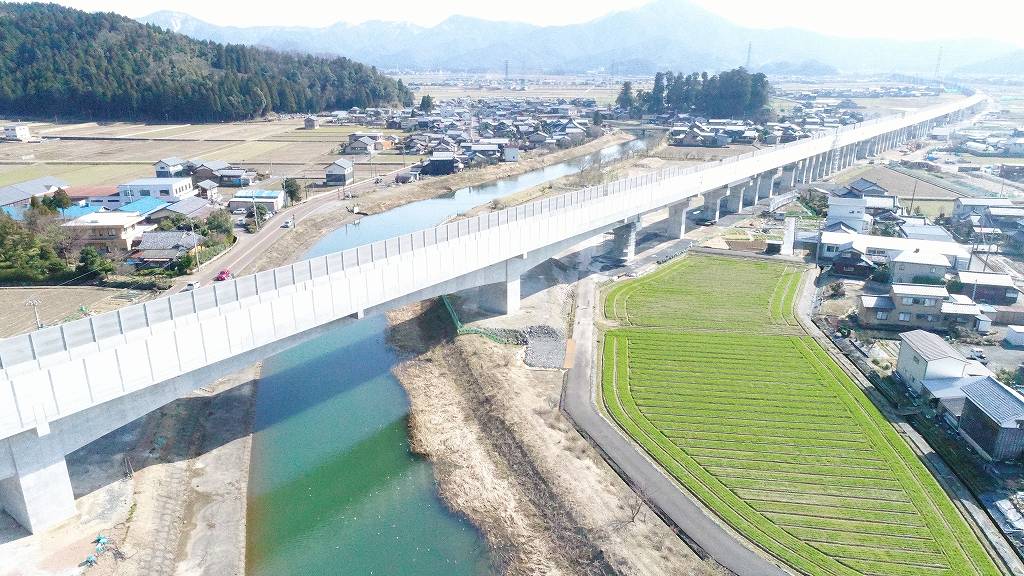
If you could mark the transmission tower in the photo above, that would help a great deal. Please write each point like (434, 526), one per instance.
(749, 46)
(938, 63)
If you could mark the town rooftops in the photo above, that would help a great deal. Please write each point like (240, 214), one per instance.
(865, 186)
(253, 193)
(442, 156)
(188, 206)
(171, 161)
(207, 185)
(862, 242)
(24, 190)
(929, 346)
(986, 279)
(168, 240)
(983, 201)
(145, 205)
(211, 164)
(107, 219)
(1000, 403)
(1006, 211)
(346, 164)
(926, 290)
(84, 192)
(918, 256)
(942, 388)
(156, 181)
(877, 302)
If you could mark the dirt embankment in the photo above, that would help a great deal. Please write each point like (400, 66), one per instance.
(506, 457)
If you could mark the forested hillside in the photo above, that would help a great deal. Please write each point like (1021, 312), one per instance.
(59, 61)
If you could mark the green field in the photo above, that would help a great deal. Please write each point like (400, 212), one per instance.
(714, 377)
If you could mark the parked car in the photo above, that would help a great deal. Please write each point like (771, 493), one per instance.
(288, 223)
(239, 211)
(704, 222)
(223, 275)
(191, 285)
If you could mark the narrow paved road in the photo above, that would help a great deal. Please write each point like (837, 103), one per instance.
(629, 459)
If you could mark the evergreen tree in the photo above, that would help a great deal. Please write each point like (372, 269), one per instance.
(625, 99)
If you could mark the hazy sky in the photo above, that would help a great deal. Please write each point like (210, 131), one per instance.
(911, 19)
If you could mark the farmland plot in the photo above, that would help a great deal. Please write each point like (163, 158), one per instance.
(758, 422)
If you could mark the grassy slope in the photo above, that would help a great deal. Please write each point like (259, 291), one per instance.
(752, 416)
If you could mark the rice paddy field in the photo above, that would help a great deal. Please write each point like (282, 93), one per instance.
(711, 373)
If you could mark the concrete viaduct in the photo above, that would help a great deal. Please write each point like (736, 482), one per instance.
(64, 386)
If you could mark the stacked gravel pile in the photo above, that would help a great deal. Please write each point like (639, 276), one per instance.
(545, 347)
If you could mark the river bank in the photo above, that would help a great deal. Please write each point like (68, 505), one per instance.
(506, 457)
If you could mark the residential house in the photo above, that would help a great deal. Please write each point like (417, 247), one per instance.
(208, 170)
(865, 187)
(988, 288)
(993, 420)
(918, 267)
(18, 132)
(171, 167)
(158, 248)
(962, 207)
(237, 177)
(272, 200)
(209, 189)
(852, 264)
(921, 306)
(21, 194)
(167, 189)
(362, 145)
(850, 212)
(109, 231)
(936, 370)
(882, 249)
(441, 164)
(341, 172)
(195, 208)
(144, 206)
(924, 231)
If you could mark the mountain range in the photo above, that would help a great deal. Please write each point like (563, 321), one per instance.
(665, 34)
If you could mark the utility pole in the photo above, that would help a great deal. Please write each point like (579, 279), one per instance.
(195, 241)
(35, 310)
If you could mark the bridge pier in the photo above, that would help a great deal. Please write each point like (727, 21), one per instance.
(504, 297)
(625, 240)
(675, 225)
(39, 494)
(735, 202)
(789, 179)
(713, 202)
(765, 185)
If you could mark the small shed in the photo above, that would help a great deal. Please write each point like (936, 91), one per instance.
(311, 123)
(1015, 335)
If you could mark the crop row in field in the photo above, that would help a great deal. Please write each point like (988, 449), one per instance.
(760, 424)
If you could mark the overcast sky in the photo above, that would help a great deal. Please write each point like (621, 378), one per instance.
(911, 19)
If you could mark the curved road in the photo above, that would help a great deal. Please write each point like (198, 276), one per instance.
(659, 490)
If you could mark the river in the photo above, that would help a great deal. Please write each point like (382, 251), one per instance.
(333, 487)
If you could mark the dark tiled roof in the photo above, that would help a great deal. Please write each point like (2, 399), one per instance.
(1002, 405)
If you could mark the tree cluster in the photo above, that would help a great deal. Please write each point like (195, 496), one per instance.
(59, 61)
(730, 94)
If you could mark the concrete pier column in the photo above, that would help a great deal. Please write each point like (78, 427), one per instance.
(503, 297)
(789, 178)
(713, 202)
(625, 241)
(736, 200)
(765, 183)
(39, 494)
(675, 225)
(751, 191)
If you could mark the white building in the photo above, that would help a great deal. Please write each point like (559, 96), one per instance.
(936, 370)
(17, 132)
(272, 200)
(849, 211)
(965, 206)
(887, 248)
(166, 189)
(914, 264)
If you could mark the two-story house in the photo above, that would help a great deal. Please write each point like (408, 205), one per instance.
(925, 306)
(166, 189)
(108, 231)
(917, 266)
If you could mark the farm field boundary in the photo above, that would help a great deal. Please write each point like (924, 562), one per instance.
(711, 373)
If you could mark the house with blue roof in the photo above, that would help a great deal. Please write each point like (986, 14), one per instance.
(144, 206)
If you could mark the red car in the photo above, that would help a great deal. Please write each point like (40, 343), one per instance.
(223, 275)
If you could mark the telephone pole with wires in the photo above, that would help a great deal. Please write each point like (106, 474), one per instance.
(35, 310)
